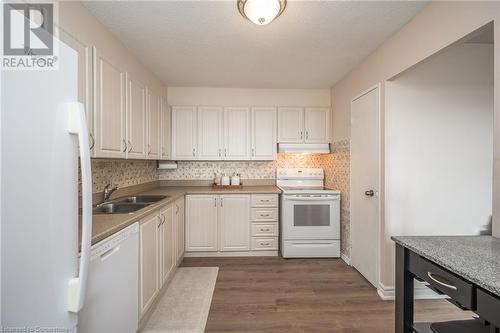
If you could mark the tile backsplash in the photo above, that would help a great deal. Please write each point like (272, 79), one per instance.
(337, 176)
(200, 170)
(122, 173)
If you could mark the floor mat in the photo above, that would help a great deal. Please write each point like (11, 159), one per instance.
(184, 306)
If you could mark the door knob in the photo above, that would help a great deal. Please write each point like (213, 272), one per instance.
(369, 193)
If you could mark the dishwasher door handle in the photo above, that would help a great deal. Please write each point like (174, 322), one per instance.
(109, 252)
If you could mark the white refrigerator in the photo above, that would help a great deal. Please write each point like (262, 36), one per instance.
(43, 138)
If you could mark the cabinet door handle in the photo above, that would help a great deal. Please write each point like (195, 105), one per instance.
(130, 144)
(221, 202)
(220, 152)
(307, 134)
(433, 277)
(253, 151)
(149, 149)
(92, 140)
(215, 202)
(225, 151)
(159, 222)
(124, 145)
(194, 152)
(301, 135)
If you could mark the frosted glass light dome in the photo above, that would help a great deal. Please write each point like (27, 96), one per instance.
(261, 12)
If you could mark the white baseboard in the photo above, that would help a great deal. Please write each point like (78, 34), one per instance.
(420, 292)
(231, 254)
(346, 259)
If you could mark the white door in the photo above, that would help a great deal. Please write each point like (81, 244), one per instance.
(201, 223)
(110, 115)
(317, 125)
(235, 222)
(165, 134)
(136, 119)
(210, 133)
(167, 242)
(179, 230)
(183, 133)
(154, 116)
(149, 261)
(364, 208)
(290, 125)
(236, 133)
(263, 133)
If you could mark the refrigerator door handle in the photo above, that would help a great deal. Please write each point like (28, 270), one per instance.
(77, 286)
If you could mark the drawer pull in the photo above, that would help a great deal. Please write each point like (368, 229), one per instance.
(447, 285)
(265, 244)
(262, 229)
(264, 200)
(264, 215)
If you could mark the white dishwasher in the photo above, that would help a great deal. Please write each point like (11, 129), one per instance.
(111, 302)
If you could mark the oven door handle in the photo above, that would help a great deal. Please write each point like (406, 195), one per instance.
(333, 198)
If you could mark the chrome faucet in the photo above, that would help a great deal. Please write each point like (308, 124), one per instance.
(108, 190)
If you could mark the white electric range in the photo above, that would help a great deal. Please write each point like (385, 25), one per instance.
(310, 214)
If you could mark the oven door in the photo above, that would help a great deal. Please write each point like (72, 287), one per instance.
(311, 217)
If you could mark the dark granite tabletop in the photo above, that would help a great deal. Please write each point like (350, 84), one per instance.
(475, 258)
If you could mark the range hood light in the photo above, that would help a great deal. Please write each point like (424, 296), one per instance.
(304, 148)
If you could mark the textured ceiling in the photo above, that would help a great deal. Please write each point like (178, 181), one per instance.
(207, 43)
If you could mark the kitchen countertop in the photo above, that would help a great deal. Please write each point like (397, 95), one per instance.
(105, 225)
(475, 258)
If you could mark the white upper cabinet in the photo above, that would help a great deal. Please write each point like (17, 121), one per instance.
(109, 111)
(234, 222)
(290, 125)
(263, 133)
(210, 133)
(317, 125)
(136, 118)
(236, 133)
(165, 130)
(184, 133)
(84, 52)
(299, 125)
(154, 123)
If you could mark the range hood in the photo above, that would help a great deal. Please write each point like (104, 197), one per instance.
(304, 148)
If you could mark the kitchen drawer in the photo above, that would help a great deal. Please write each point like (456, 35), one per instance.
(264, 243)
(444, 281)
(264, 200)
(488, 307)
(264, 229)
(264, 214)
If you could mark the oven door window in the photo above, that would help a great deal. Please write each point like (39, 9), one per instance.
(311, 215)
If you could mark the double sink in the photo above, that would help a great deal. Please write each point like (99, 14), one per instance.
(127, 205)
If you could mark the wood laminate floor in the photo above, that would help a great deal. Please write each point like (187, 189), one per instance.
(302, 295)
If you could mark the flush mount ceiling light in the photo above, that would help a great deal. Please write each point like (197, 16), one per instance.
(261, 12)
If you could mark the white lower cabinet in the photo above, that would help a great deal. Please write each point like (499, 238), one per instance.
(202, 223)
(234, 222)
(161, 235)
(149, 259)
(166, 245)
(228, 225)
(179, 230)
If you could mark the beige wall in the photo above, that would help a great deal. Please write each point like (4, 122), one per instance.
(439, 25)
(248, 97)
(77, 21)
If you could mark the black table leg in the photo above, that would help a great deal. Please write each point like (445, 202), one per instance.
(404, 292)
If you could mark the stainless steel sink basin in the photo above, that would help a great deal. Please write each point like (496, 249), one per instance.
(142, 199)
(118, 208)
